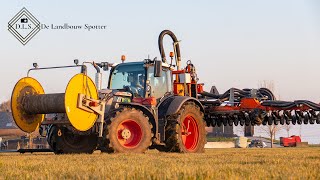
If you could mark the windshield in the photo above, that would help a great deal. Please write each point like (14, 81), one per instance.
(130, 76)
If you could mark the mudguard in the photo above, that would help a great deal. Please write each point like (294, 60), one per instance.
(172, 105)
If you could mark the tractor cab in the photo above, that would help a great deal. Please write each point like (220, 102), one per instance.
(130, 77)
(140, 79)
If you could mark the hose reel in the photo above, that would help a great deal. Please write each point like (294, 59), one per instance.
(29, 103)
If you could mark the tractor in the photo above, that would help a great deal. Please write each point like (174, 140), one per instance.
(151, 104)
(148, 104)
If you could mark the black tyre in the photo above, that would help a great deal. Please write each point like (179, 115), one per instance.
(306, 119)
(270, 121)
(64, 141)
(219, 122)
(230, 120)
(242, 121)
(247, 120)
(236, 120)
(282, 120)
(318, 118)
(299, 120)
(294, 120)
(288, 121)
(208, 123)
(253, 123)
(224, 121)
(265, 121)
(213, 122)
(185, 131)
(128, 131)
(312, 120)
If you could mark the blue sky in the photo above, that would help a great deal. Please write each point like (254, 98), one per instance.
(232, 43)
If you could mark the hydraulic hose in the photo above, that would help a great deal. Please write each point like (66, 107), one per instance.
(285, 104)
(176, 45)
(262, 93)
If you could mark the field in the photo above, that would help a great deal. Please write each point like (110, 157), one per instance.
(280, 163)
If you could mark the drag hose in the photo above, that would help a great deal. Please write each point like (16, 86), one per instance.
(160, 44)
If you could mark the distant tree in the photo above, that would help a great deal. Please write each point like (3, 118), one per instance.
(287, 128)
(270, 130)
(5, 106)
(268, 84)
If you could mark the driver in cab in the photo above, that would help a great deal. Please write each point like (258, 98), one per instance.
(137, 82)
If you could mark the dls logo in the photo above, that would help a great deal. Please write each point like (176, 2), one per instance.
(24, 26)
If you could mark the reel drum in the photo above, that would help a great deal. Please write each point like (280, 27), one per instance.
(29, 103)
(24, 87)
(80, 119)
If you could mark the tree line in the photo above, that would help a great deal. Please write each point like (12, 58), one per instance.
(5, 106)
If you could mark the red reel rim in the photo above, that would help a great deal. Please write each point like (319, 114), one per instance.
(190, 133)
(129, 133)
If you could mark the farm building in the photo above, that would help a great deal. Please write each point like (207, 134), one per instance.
(13, 137)
(7, 125)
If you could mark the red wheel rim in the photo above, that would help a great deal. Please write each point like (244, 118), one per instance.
(129, 133)
(190, 133)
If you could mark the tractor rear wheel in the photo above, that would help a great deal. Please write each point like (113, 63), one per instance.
(129, 131)
(185, 131)
(64, 141)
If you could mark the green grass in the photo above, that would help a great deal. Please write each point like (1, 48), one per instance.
(278, 163)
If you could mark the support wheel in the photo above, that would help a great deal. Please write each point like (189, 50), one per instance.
(64, 141)
(185, 131)
(129, 131)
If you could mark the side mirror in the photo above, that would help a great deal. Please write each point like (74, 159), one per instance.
(157, 68)
(104, 65)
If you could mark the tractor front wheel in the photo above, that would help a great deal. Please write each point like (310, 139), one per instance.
(129, 131)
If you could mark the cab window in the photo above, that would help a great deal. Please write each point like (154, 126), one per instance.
(160, 85)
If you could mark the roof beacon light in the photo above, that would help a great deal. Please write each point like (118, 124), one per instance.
(171, 54)
(123, 58)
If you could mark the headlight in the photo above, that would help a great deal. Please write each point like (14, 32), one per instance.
(126, 100)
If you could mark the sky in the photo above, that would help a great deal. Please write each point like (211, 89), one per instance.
(232, 43)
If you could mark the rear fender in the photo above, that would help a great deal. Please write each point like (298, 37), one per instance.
(172, 105)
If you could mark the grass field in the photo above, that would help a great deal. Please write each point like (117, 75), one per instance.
(281, 163)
